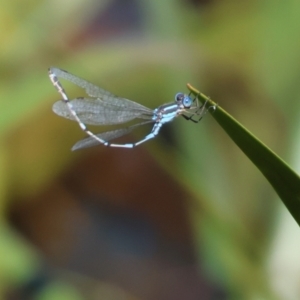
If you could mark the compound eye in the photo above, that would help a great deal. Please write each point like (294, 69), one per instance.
(187, 101)
(179, 97)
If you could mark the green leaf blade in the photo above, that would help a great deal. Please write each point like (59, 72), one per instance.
(284, 180)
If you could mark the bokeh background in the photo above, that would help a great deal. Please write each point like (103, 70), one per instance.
(184, 216)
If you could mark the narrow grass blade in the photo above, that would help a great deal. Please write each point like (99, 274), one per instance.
(284, 180)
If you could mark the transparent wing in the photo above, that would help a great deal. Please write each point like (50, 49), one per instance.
(90, 88)
(106, 136)
(100, 112)
(95, 91)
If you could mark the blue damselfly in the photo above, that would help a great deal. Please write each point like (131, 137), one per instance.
(104, 108)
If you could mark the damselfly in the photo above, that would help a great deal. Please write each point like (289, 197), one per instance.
(104, 108)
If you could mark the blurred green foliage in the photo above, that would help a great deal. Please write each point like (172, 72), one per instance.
(244, 54)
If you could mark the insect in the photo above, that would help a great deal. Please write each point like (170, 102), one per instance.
(104, 108)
